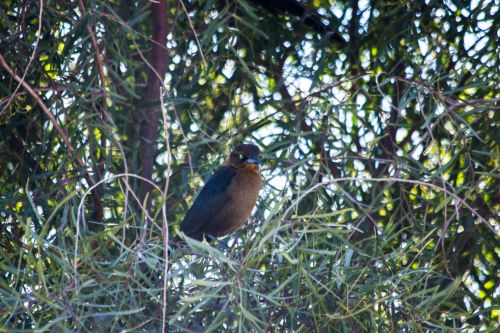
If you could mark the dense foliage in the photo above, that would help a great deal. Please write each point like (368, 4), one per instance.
(379, 126)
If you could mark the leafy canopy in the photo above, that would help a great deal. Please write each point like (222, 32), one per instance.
(379, 126)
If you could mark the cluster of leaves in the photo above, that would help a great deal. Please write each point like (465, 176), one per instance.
(378, 123)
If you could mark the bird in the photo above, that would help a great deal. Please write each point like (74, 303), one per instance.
(223, 204)
(228, 197)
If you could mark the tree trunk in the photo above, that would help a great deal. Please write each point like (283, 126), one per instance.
(151, 113)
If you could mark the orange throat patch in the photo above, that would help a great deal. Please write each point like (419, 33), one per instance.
(252, 168)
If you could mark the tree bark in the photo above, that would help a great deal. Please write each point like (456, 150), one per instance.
(151, 113)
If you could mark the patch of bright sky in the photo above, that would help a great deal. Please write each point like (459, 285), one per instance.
(365, 16)
(229, 68)
(401, 134)
(423, 45)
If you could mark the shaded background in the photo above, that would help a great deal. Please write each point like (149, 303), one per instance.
(379, 129)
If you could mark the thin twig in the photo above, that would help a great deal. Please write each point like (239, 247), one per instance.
(22, 93)
(102, 79)
(165, 221)
(445, 210)
(194, 33)
(98, 60)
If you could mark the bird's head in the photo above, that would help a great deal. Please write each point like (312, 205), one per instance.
(245, 157)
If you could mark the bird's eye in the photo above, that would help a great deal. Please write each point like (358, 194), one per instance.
(241, 157)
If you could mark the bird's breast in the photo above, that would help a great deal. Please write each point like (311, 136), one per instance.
(243, 190)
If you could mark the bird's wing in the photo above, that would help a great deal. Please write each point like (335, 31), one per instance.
(209, 201)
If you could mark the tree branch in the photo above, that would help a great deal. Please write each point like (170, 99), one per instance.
(97, 214)
(104, 105)
(44, 108)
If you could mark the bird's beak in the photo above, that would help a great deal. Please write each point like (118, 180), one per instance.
(253, 160)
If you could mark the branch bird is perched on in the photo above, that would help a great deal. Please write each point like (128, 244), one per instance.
(228, 197)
